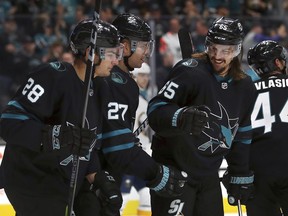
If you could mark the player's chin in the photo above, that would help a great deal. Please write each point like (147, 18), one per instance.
(218, 66)
(108, 73)
(105, 73)
(140, 63)
(144, 59)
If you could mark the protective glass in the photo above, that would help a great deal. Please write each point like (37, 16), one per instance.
(141, 47)
(112, 54)
(284, 56)
(224, 51)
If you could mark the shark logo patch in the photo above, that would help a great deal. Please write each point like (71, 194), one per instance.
(191, 63)
(58, 66)
(221, 130)
(118, 78)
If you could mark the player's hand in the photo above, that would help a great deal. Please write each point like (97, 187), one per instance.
(108, 192)
(169, 182)
(239, 187)
(193, 119)
(78, 140)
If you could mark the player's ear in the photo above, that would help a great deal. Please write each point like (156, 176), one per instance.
(127, 47)
(97, 59)
(87, 53)
(277, 62)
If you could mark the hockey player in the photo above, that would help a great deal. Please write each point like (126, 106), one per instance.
(119, 150)
(42, 128)
(269, 122)
(201, 115)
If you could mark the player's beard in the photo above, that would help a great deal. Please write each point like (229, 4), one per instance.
(220, 70)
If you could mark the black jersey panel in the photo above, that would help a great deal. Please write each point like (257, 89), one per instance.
(52, 94)
(193, 83)
(117, 139)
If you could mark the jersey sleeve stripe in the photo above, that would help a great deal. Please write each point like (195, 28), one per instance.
(15, 104)
(118, 147)
(154, 106)
(244, 129)
(14, 116)
(115, 133)
(18, 106)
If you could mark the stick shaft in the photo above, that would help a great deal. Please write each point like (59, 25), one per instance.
(87, 84)
(239, 207)
(186, 43)
(141, 127)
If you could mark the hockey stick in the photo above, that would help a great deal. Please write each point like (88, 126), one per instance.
(187, 48)
(186, 43)
(87, 82)
(232, 200)
(239, 207)
(141, 127)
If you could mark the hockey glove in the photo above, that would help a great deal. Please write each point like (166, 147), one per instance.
(193, 119)
(169, 182)
(108, 192)
(239, 187)
(79, 140)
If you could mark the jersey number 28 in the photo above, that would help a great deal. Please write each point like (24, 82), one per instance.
(34, 90)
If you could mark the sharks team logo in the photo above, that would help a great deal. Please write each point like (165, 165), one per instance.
(69, 159)
(220, 130)
(118, 78)
(58, 66)
(190, 63)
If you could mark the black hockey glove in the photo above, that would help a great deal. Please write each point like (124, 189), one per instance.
(79, 140)
(108, 192)
(193, 119)
(169, 182)
(239, 187)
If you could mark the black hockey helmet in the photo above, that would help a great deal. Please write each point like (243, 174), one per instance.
(107, 36)
(132, 27)
(225, 31)
(138, 32)
(261, 57)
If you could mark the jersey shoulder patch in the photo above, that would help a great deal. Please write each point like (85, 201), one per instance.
(117, 77)
(185, 66)
(190, 62)
(58, 66)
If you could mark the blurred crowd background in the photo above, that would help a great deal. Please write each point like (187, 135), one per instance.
(37, 31)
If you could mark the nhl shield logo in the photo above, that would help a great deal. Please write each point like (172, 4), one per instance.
(224, 85)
